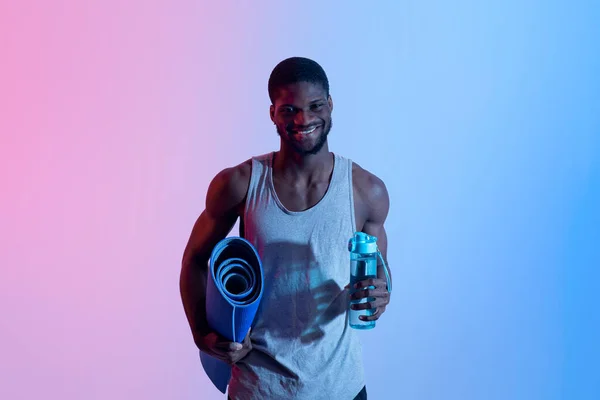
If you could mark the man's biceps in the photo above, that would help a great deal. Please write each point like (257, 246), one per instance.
(374, 229)
(207, 232)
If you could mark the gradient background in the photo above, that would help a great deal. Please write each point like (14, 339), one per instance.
(483, 120)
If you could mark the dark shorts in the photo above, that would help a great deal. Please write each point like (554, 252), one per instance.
(362, 395)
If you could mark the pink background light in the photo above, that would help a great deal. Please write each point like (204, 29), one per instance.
(104, 119)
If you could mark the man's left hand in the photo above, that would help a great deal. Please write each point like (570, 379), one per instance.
(378, 295)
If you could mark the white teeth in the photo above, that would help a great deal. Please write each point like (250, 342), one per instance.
(308, 131)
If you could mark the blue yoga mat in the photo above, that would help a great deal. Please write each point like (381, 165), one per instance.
(233, 292)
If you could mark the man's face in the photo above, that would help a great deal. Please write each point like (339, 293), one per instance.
(302, 114)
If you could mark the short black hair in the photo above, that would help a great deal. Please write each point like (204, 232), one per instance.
(296, 69)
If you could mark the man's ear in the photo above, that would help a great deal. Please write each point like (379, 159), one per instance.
(330, 102)
(272, 113)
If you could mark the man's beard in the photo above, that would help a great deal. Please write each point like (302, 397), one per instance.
(318, 145)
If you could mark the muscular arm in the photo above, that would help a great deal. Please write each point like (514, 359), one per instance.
(377, 204)
(225, 196)
(372, 209)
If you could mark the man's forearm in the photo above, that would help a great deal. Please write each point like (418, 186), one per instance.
(192, 286)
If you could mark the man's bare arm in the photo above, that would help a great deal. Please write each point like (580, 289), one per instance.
(378, 204)
(225, 194)
(375, 204)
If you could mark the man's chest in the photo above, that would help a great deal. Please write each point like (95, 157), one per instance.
(295, 200)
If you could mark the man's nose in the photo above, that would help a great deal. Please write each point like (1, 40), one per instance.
(301, 118)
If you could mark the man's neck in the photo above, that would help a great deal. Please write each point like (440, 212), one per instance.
(308, 167)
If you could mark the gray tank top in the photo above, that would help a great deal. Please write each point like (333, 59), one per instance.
(303, 347)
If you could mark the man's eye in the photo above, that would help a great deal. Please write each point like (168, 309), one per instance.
(316, 107)
(286, 110)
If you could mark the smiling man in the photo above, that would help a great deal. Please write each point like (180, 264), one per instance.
(298, 206)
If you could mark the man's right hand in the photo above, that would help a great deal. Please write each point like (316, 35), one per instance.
(225, 350)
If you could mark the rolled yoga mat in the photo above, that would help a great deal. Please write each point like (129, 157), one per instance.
(233, 292)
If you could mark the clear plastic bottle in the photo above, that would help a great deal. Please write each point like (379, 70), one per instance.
(363, 265)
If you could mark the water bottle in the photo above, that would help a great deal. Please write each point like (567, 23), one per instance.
(363, 265)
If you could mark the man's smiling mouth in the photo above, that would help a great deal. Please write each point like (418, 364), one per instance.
(305, 131)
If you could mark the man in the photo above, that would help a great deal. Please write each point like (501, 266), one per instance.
(298, 206)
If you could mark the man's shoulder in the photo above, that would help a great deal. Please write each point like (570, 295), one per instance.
(242, 170)
(229, 187)
(236, 173)
(369, 189)
(237, 177)
(366, 181)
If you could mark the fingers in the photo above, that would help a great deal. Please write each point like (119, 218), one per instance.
(374, 317)
(241, 350)
(377, 282)
(370, 294)
(369, 304)
(365, 293)
(227, 345)
(235, 353)
(227, 351)
(233, 346)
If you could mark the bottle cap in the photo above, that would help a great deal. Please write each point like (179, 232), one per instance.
(363, 243)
